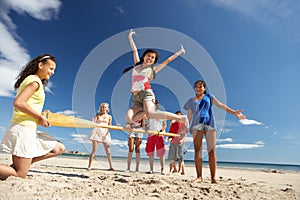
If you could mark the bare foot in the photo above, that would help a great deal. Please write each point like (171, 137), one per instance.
(214, 181)
(89, 169)
(112, 169)
(197, 180)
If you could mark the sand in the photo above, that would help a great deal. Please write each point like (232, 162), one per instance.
(68, 178)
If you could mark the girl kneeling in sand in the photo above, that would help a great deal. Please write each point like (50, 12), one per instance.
(21, 139)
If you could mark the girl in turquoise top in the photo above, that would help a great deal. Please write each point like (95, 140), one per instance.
(21, 139)
(201, 120)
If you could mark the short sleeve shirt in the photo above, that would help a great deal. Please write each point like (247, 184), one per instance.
(201, 111)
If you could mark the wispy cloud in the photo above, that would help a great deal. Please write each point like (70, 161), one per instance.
(13, 54)
(288, 136)
(2, 131)
(240, 146)
(67, 112)
(120, 9)
(250, 122)
(80, 138)
(225, 140)
(280, 16)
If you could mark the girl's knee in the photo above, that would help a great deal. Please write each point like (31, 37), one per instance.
(137, 151)
(59, 148)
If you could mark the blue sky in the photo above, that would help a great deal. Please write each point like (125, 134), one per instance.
(247, 51)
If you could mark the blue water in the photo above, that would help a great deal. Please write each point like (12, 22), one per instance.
(233, 165)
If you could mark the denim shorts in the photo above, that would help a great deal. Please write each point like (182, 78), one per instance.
(202, 127)
(135, 135)
(144, 95)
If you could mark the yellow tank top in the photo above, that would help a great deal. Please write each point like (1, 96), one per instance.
(36, 102)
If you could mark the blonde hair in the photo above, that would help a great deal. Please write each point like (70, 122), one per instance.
(102, 104)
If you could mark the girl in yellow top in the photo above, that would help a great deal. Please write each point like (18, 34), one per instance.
(21, 139)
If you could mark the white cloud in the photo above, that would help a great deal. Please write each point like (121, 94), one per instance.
(188, 139)
(260, 143)
(225, 140)
(120, 9)
(13, 55)
(225, 130)
(67, 112)
(121, 143)
(239, 146)
(75, 135)
(249, 122)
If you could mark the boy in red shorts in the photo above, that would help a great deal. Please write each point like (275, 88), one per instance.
(156, 141)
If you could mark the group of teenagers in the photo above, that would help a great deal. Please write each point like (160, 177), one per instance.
(27, 145)
(154, 142)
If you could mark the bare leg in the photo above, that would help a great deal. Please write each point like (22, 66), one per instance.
(21, 168)
(131, 112)
(94, 149)
(152, 113)
(57, 150)
(162, 164)
(6, 171)
(173, 167)
(130, 151)
(212, 158)
(137, 153)
(151, 162)
(107, 151)
(198, 155)
(181, 165)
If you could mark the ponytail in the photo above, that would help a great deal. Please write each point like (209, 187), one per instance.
(132, 66)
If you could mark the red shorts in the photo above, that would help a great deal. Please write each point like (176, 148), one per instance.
(158, 142)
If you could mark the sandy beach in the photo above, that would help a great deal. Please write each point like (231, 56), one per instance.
(68, 178)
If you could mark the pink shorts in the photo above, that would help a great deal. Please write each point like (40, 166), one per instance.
(158, 142)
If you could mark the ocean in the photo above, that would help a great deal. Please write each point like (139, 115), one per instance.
(271, 167)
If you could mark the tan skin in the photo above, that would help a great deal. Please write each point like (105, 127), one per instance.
(134, 142)
(22, 165)
(210, 137)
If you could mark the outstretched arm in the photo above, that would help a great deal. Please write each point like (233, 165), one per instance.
(237, 113)
(170, 59)
(133, 47)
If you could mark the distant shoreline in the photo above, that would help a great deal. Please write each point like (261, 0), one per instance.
(268, 167)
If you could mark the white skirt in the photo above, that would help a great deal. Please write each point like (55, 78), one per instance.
(26, 142)
(100, 135)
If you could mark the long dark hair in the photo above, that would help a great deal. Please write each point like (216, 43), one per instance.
(142, 60)
(32, 67)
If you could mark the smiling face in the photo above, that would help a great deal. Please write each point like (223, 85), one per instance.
(149, 58)
(104, 108)
(46, 69)
(200, 88)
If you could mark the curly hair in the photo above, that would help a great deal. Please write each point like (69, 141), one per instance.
(31, 68)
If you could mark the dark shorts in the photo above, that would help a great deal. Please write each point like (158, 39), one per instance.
(144, 95)
(175, 152)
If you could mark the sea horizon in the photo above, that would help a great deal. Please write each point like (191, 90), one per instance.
(269, 167)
